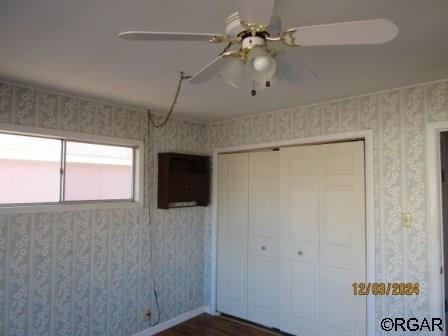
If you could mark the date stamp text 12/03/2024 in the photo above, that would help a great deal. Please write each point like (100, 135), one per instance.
(382, 288)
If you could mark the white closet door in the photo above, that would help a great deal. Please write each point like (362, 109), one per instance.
(263, 266)
(291, 238)
(323, 239)
(342, 239)
(233, 195)
(299, 240)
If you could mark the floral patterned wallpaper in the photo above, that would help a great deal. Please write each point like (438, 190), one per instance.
(398, 119)
(90, 272)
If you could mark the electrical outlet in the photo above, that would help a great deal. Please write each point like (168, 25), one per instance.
(146, 314)
(407, 219)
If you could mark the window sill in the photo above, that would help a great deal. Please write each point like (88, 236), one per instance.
(57, 207)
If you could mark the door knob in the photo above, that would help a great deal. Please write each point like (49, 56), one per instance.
(263, 248)
(300, 253)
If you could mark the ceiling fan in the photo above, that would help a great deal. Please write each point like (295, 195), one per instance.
(259, 61)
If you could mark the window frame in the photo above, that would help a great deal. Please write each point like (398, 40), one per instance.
(64, 137)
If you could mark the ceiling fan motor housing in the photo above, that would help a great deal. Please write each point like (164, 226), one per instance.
(252, 41)
(253, 29)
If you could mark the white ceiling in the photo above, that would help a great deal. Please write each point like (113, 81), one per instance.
(71, 46)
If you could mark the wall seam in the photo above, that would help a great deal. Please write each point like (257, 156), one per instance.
(381, 192)
(403, 149)
(426, 121)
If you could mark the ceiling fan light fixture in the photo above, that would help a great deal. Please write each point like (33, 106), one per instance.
(254, 65)
(233, 72)
(262, 63)
(260, 66)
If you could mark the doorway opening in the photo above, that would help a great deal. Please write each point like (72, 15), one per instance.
(444, 194)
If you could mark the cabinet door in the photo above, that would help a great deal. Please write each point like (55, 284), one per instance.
(263, 266)
(299, 307)
(200, 188)
(342, 239)
(233, 214)
(180, 187)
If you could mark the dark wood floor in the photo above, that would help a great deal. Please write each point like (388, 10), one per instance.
(207, 325)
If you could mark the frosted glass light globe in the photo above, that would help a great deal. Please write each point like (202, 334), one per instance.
(261, 63)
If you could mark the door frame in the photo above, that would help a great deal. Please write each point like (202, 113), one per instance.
(435, 219)
(367, 136)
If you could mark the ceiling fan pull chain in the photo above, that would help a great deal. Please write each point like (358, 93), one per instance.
(182, 77)
(253, 92)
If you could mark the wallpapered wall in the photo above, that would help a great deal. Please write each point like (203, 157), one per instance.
(398, 120)
(89, 272)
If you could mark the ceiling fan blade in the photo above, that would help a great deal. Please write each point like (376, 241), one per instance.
(275, 27)
(344, 33)
(165, 36)
(212, 69)
(257, 12)
(292, 70)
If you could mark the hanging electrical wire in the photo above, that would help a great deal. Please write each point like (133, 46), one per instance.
(182, 77)
(151, 241)
(154, 285)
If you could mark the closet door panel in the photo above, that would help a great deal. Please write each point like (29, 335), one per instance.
(337, 295)
(301, 222)
(303, 290)
(235, 234)
(342, 239)
(299, 241)
(235, 268)
(263, 235)
(263, 238)
(261, 290)
(233, 195)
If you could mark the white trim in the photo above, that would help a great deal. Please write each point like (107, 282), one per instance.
(434, 219)
(57, 207)
(173, 322)
(212, 312)
(75, 136)
(370, 229)
(367, 135)
(214, 238)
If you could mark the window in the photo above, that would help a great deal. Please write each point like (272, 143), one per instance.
(36, 169)
(29, 169)
(97, 172)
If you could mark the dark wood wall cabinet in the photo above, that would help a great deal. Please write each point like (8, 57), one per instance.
(184, 180)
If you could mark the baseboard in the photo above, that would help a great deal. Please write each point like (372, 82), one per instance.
(174, 321)
(211, 311)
